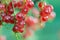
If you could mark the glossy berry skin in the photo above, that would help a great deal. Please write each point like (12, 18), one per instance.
(11, 20)
(21, 23)
(44, 19)
(8, 19)
(10, 11)
(19, 16)
(46, 11)
(25, 10)
(30, 4)
(21, 30)
(42, 13)
(40, 4)
(15, 28)
(19, 4)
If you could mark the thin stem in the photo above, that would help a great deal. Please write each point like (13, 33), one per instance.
(16, 36)
(13, 7)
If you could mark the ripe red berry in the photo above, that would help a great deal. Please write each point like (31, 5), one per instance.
(10, 11)
(42, 13)
(19, 4)
(44, 18)
(21, 23)
(11, 20)
(48, 9)
(21, 30)
(19, 16)
(15, 28)
(8, 19)
(25, 10)
(30, 4)
(40, 4)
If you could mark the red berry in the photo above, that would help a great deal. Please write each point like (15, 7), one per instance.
(11, 20)
(30, 4)
(21, 24)
(42, 13)
(21, 30)
(7, 19)
(25, 10)
(40, 4)
(15, 28)
(44, 18)
(15, 4)
(10, 11)
(19, 4)
(48, 9)
(19, 16)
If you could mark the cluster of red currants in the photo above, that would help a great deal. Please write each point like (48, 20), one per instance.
(45, 12)
(19, 19)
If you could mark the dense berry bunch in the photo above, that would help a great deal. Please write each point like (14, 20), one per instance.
(46, 11)
(20, 19)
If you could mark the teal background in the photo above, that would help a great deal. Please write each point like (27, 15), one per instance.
(51, 31)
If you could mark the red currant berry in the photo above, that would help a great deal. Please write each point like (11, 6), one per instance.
(21, 24)
(44, 18)
(30, 4)
(21, 30)
(40, 4)
(10, 11)
(25, 10)
(19, 16)
(48, 9)
(42, 13)
(19, 4)
(11, 20)
(7, 18)
(15, 28)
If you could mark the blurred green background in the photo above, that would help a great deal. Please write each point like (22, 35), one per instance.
(51, 31)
